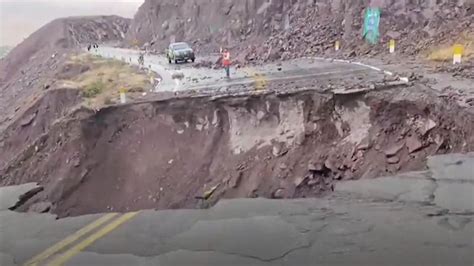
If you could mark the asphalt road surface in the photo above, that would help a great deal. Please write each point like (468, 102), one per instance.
(420, 218)
(198, 78)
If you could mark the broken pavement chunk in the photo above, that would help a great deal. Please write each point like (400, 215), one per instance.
(26, 197)
(40, 207)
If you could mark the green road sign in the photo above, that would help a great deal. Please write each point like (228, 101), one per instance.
(371, 25)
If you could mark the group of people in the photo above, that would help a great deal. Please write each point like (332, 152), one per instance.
(141, 59)
(93, 45)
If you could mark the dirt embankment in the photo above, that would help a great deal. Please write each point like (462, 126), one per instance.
(30, 68)
(84, 80)
(35, 123)
(172, 154)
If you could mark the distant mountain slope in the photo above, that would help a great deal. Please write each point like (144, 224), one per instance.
(4, 51)
(64, 33)
(29, 68)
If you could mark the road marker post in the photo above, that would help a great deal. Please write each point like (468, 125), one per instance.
(458, 51)
(337, 46)
(391, 46)
(123, 96)
(260, 82)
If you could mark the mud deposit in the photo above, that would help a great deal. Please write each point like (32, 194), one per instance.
(188, 153)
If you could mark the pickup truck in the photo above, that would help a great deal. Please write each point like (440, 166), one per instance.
(180, 51)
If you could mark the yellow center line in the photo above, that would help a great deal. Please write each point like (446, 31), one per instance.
(70, 239)
(63, 258)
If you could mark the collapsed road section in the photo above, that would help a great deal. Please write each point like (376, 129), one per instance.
(191, 152)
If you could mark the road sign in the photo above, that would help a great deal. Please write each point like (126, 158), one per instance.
(337, 46)
(371, 25)
(392, 46)
(458, 51)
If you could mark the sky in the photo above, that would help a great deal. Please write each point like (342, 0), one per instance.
(20, 18)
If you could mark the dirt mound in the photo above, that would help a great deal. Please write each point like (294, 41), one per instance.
(177, 153)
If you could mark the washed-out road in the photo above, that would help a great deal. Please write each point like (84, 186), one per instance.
(208, 78)
(419, 218)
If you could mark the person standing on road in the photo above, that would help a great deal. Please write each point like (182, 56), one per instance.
(226, 62)
(141, 59)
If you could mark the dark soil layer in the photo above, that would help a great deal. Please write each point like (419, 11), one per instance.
(178, 153)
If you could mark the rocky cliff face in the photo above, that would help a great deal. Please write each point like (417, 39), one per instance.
(226, 22)
(204, 21)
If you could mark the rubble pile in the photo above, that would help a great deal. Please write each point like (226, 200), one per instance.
(465, 70)
(263, 31)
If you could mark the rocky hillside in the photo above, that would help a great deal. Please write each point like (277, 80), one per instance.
(294, 26)
(4, 51)
(29, 68)
(202, 21)
(62, 34)
(418, 27)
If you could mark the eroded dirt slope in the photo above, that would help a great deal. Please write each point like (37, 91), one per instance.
(171, 154)
(82, 80)
(30, 68)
